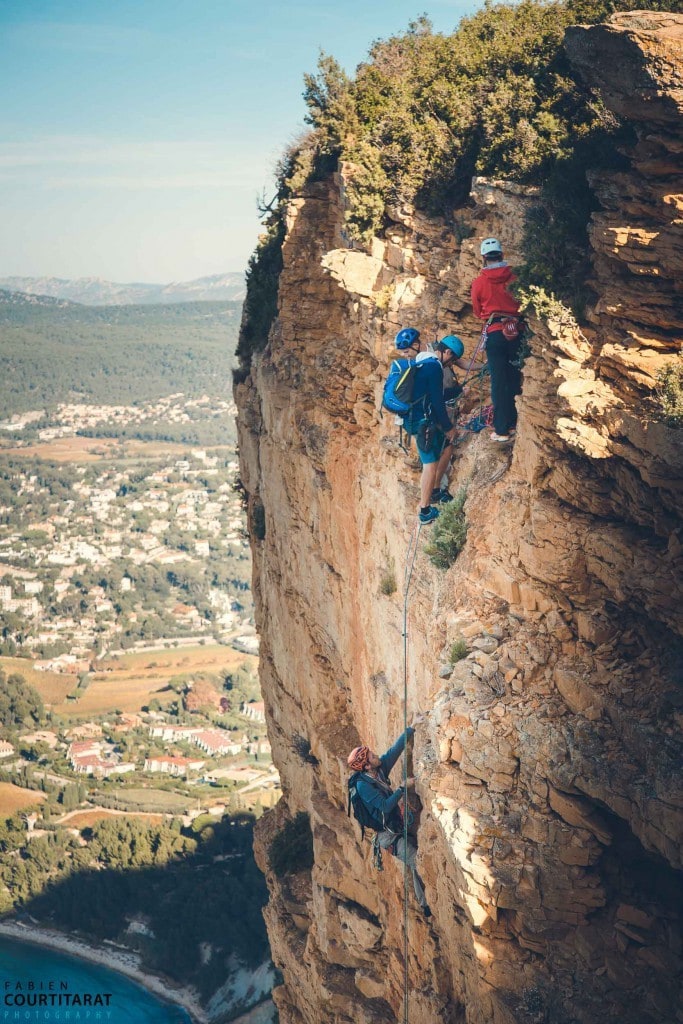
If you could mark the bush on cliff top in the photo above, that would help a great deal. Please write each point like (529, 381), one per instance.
(426, 111)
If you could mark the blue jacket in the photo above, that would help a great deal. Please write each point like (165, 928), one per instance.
(371, 794)
(429, 386)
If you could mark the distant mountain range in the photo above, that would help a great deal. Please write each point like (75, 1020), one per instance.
(93, 291)
(13, 302)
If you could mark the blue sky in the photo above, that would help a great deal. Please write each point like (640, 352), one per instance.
(136, 136)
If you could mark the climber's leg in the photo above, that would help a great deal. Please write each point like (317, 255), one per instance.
(418, 885)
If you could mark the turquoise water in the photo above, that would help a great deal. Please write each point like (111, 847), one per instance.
(88, 993)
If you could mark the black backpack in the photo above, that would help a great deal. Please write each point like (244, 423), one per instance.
(364, 815)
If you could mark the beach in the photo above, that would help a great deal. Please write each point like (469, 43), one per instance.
(114, 958)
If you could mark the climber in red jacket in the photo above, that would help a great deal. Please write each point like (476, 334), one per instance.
(492, 302)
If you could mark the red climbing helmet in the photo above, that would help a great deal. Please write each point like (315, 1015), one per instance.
(358, 758)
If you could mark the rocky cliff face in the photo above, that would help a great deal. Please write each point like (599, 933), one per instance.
(548, 768)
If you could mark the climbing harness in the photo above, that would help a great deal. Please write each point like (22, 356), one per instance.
(472, 423)
(407, 578)
(402, 368)
(481, 419)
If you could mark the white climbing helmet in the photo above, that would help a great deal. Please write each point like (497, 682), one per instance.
(490, 246)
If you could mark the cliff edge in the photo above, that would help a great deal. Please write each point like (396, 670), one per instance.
(548, 767)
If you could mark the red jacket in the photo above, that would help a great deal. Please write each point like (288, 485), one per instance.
(490, 294)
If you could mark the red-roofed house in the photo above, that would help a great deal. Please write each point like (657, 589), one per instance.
(255, 710)
(177, 766)
(216, 741)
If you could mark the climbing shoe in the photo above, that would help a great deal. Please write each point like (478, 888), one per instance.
(428, 514)
(441, 496)
(501, 438)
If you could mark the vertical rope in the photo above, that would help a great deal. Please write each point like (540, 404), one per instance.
(478, 376)
(407, 577)
(474, 356)
(442, 292)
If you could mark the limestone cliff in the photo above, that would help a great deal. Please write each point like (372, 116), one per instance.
(548, 768)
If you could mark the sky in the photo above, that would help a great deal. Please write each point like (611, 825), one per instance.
(137, 135)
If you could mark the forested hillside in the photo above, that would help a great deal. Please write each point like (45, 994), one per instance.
(54, 351)
(96, 291)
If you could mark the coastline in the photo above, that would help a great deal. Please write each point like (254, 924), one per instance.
(114, 958)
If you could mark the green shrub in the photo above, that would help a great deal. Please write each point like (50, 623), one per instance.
(291, 850)
(449, 532)
(260, 303)
(557, 251)
(387, 585)
(258, 521)
(302, 748)
(201, 822)
(428, 111)
(383, 298)
(458, 651)
(670, 393)
(546, 305)
(496, 97)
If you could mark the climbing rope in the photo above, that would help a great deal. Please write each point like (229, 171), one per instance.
(478, 422)
(407, 577)
(483, 417)
(480, 419)
(442, 291)
(482, 339)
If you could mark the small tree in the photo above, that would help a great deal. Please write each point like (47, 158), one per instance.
(670, 393)
(449, 533)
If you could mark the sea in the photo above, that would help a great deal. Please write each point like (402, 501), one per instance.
(42, 986)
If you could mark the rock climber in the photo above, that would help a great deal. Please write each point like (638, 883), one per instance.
(383, 805)
(493, 303)
(429, 421)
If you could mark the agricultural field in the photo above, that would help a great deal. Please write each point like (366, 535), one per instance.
(205, 659)
(154, 801)
(52, 686)
(128, 683)
(86, 819)
(14, 798)
(94, 449)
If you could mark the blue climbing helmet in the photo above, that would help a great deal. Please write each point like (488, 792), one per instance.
(453, 343)
(407, 337)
